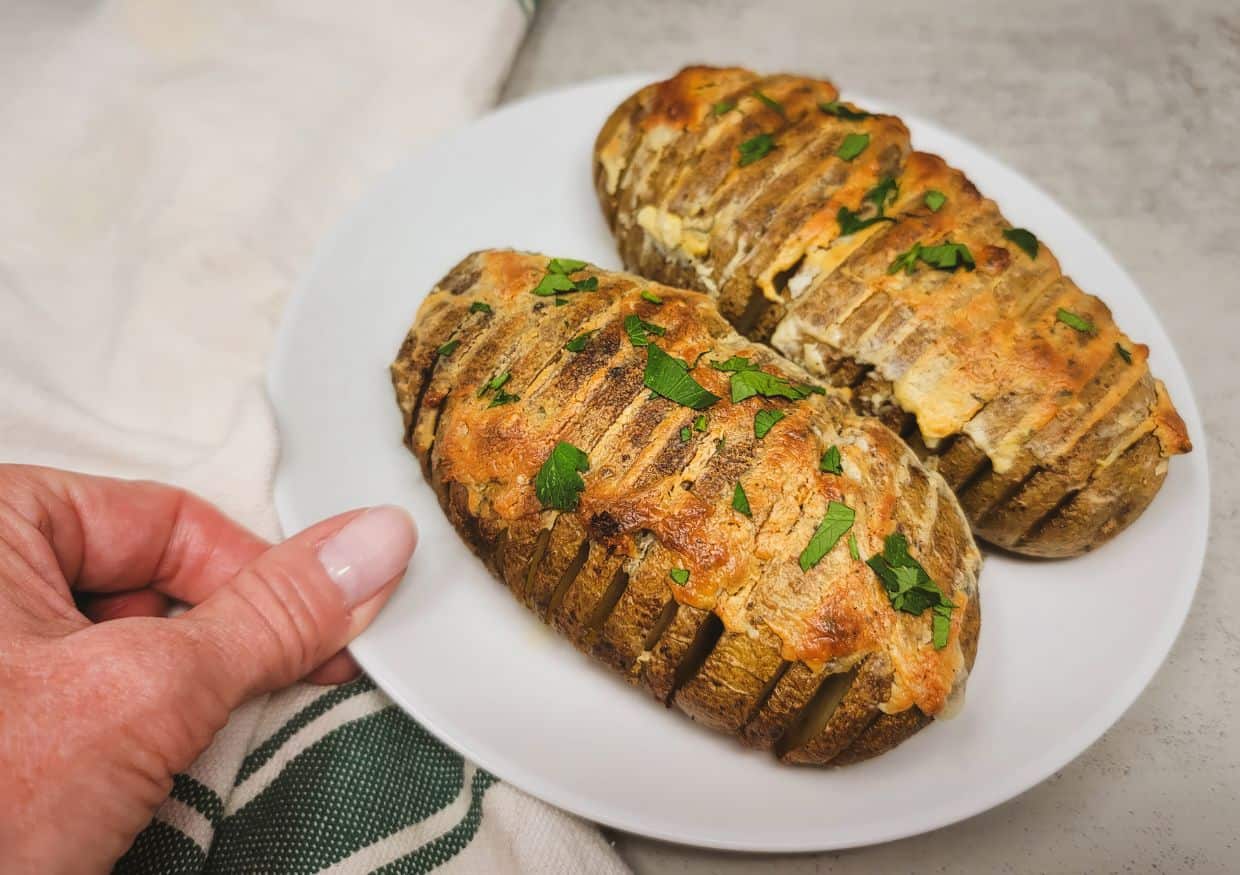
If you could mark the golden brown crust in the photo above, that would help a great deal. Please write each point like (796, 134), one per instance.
(977, 362)
(750, 628)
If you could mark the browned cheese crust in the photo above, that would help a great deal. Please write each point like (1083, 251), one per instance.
(1053, 438)
(810, 664)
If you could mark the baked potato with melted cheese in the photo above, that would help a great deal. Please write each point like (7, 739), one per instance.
(650, 566)
(817, 228)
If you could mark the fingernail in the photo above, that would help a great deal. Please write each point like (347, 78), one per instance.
(372, 549)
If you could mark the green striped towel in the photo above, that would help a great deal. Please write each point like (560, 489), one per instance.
(340, 780)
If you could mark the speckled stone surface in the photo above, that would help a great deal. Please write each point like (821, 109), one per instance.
(1129, 114)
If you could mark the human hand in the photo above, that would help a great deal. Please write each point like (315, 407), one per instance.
(96, 717)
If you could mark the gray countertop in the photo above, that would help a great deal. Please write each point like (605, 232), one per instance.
(1129, 115)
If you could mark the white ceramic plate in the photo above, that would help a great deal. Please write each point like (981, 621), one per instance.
(1065, 648)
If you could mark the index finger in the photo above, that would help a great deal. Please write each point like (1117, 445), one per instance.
(109, 535)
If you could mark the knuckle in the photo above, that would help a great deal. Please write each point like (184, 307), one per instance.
(295, 623)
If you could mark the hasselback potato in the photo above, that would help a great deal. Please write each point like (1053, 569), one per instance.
(689, 507)
(877, 268)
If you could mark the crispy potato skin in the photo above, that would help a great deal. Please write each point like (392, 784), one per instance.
(1059, 437)
(751, 639)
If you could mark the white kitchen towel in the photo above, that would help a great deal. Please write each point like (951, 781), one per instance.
(167, 168)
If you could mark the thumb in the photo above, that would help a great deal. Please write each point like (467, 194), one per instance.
(301, 601)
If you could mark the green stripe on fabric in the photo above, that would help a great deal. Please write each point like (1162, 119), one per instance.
(161, 849)
(199, 797)
(439, 851)
(358, 784)
(258, 757)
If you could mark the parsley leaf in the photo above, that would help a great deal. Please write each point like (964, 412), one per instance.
(560, 301)
(680, 576)
(935, 200)
(1123, 353)
(556, 279)
(906, 261)
(740, 501)
(851, 223)
(840, 110)
(1024, 239)
(448, 348)
(834, 525)
(639, 330)
(948, 256)
(686, 434)
(764, 420)
(853, 145)
(909, 587)
(502, 397)
(747, 383)
(553, 283)
(558, 485)
(882, 194)
(565, 265)
(494, 383)
(723, 106)
(480, 307)
(1072, 320)
(753, 149)
(650, 296)
(771, 102)
(852, 546)
(669, 376)
(830, 461)
(699, 424)
(578, 343)
(735, 363)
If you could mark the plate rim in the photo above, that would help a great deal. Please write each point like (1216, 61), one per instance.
(1020, 780)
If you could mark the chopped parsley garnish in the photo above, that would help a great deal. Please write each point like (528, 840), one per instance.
(906, 261)
(740, 501)
(699, 424)
(946, 256)
(669, 376)
(502, 397)
(578, 343)
(494, 383)
(1123, 353)
(448, 348)
(556, 281)
(935, 200)
(1024, 239)
(565, 265)
(686, 434)
(764, 420)
(830, 461)
(679, 576)
(480, 307)
(650, 296)
(756, 147)
(1072, 320)
(723, 106)
(840, 110)
(558, 484)
(910, 588)
(748, 381)
(834, 525)
(771, 102)
(853, 551)
(639, 330)
(851, 223)
(853, 145)
(882, 194)
(561, 301)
